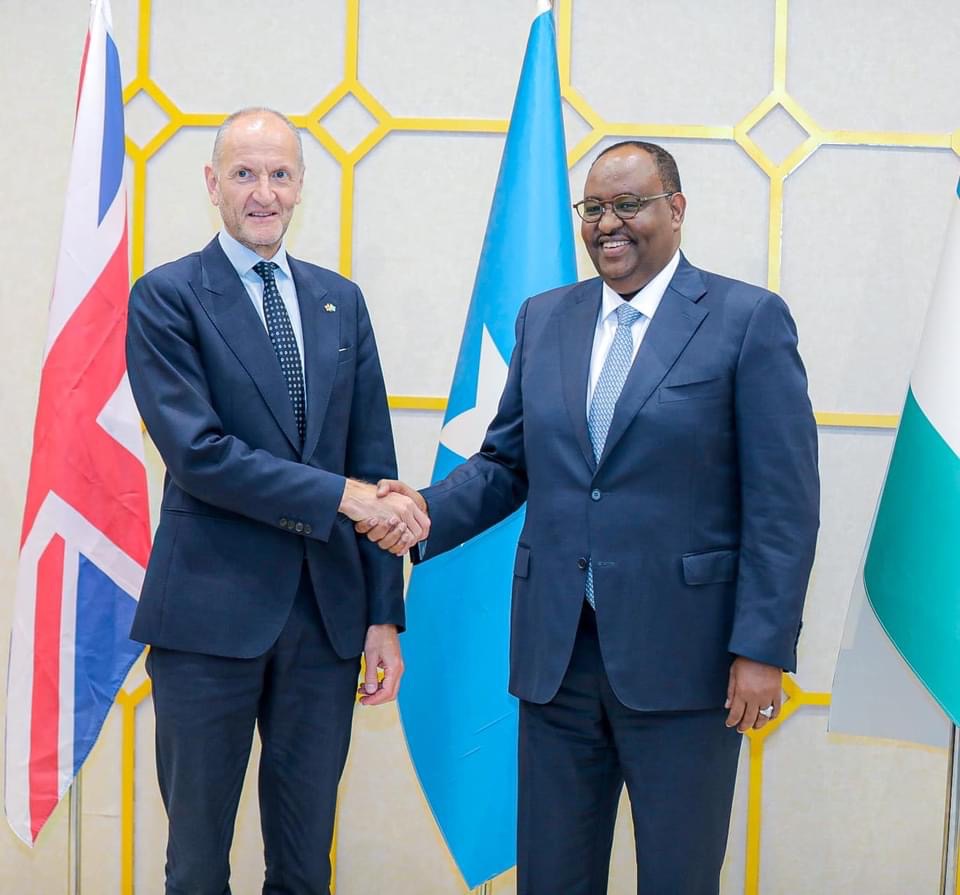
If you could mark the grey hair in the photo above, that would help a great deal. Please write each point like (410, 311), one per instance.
(243, 113)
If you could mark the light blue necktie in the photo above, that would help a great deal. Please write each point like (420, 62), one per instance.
(616, 366)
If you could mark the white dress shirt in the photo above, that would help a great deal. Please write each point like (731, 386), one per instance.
(243, 260)
(647, 300)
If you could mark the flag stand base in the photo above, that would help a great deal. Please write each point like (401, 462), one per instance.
(948, 861)
(73, 837)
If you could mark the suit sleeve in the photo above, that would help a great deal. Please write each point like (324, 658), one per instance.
(371, 457)
(492, 484)
(779, 488)
(172, 393)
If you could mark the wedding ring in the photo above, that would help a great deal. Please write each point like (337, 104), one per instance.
(767, 712)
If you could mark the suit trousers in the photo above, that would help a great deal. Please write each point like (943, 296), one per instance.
(301, 696)
(576, 752)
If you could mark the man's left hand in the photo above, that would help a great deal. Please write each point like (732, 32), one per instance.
(753, 686)
(381, 651)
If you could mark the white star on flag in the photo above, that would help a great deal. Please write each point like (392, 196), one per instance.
(464, 433)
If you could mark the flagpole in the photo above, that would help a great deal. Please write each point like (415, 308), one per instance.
(484, 888)
(73, 837)
(948, 863)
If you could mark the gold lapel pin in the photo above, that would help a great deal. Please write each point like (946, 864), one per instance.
(329, 308)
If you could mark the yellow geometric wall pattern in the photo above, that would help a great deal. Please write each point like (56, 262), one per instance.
(599, 128)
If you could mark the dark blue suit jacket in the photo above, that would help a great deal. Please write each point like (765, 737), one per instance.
(243, 504)
(700, 518)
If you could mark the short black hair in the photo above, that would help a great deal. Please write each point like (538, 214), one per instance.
(666, 163)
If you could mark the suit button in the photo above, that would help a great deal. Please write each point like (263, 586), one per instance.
(595, 494)
(307, 529)
(582, 562)
(283, 523)
(298, 528)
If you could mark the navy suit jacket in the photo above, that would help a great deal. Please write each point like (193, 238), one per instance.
(700, 518)
(244, 505)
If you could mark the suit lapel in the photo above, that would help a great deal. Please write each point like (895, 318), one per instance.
(321, 340)
(676, 320)
(577, 323)
(225, 299)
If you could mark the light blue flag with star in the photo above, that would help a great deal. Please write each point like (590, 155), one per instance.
(459, 720)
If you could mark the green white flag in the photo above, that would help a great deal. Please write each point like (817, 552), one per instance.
(911, 572)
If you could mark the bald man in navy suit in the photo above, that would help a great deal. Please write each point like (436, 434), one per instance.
(258, 379)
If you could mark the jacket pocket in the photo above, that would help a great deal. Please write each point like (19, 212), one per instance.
(521, 566)
(710, 567)
(688, 391)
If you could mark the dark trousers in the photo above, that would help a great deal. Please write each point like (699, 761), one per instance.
(301, 695)
(578, 750)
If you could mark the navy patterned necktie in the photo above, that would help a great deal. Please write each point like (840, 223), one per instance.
(613, 375)
(284, 342)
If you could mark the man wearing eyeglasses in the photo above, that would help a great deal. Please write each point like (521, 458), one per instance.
(657, 424)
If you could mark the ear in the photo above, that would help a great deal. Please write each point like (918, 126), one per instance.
(213, 184)
(300, 186)
(678, 208)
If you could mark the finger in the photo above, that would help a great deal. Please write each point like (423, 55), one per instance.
(424, 520)
(371, 679)
(388, 687)
(402, 548)
(365, 525)
(412, 524)
(385, 486)
(751, 712)
(735, 715)
(378, 532)
(394, 536)
(403, 544)
(763, 719)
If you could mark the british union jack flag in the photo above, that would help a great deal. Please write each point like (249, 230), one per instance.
(86, 533)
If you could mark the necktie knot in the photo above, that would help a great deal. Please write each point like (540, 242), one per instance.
(627, 314)
(264, 270)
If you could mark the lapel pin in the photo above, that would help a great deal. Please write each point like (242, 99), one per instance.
(329, 308)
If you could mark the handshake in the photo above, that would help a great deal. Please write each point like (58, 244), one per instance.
(391, 514)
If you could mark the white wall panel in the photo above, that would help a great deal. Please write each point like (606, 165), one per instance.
(862, 232)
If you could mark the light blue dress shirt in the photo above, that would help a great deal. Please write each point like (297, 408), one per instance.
(243, 260)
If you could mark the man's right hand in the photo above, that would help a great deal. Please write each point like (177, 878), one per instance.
(380, 531)
(393, 517)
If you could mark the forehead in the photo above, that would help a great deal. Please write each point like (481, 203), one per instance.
(260, 136)
(627, 170)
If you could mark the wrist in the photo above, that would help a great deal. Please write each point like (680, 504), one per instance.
(351, 502)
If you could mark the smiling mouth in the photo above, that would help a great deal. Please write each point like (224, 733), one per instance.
(261, 215)
(613, 245)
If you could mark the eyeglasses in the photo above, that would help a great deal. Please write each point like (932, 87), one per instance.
(624, 206)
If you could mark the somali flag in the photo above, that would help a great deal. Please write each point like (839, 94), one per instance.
(459, 720)
(911, 572)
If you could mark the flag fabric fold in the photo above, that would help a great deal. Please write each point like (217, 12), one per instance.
(459, 720)
(86, 528)
(911, 571)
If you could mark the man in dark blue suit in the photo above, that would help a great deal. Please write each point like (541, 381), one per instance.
(657, 425)
(258, 379)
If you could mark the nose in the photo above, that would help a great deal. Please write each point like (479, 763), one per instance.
(263, 192)
(609, 222)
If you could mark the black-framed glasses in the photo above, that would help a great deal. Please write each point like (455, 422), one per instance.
(624, 206)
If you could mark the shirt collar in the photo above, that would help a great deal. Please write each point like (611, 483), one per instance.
(243, 259)
(648, 299)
